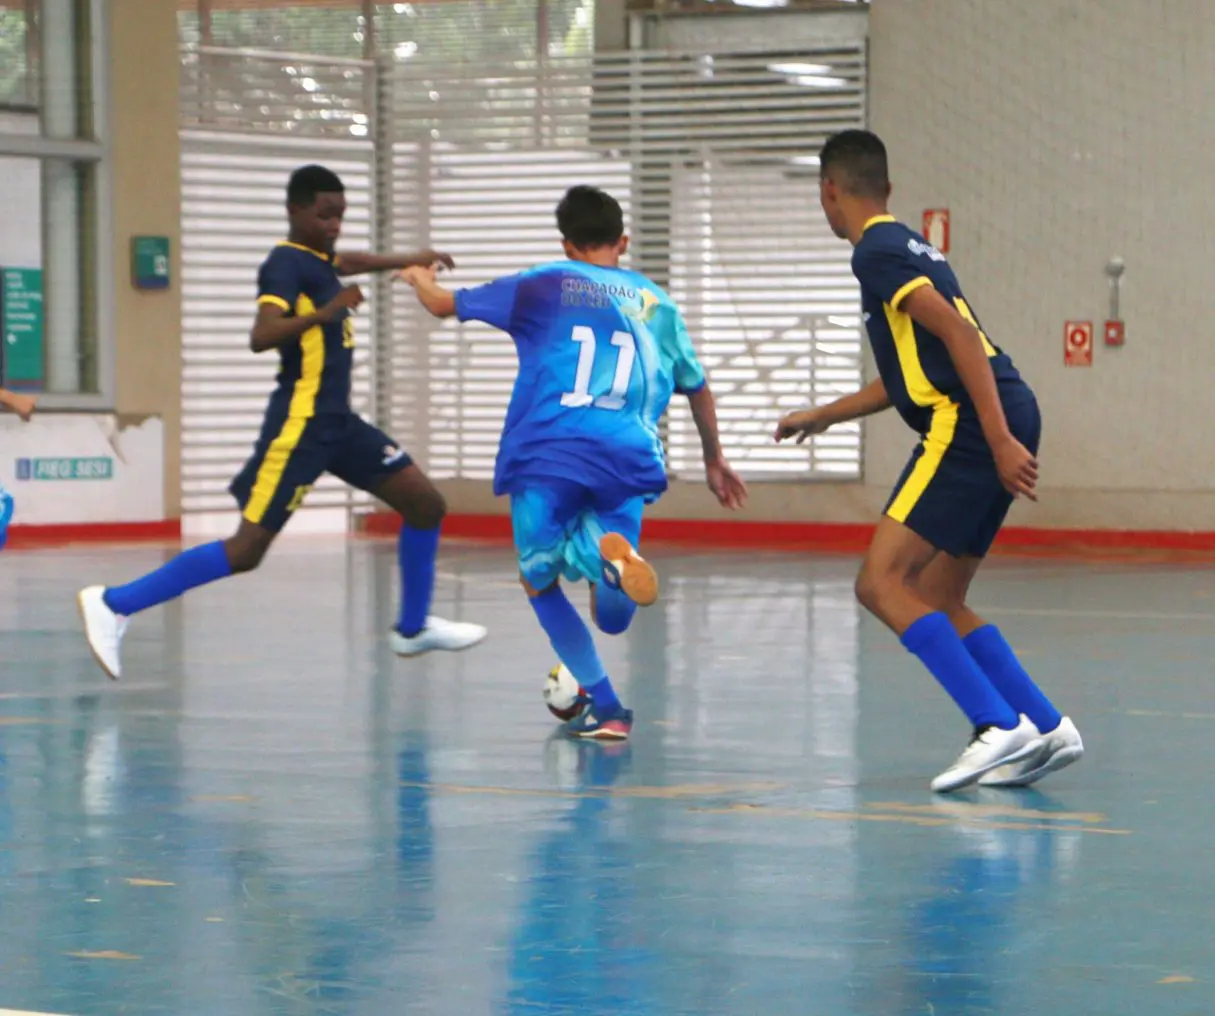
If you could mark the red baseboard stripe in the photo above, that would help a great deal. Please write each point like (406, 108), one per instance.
(838, 536)
(94, 532)
(834, 536)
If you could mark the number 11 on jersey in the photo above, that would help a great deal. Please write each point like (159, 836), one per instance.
(626, 353)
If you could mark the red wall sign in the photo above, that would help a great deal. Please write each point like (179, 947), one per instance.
(936, 228)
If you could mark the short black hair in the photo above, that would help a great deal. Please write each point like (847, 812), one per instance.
(857, 160)
(589, 217)
(309, 181)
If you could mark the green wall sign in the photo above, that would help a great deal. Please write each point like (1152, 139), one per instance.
(150, 262)
(22, 362)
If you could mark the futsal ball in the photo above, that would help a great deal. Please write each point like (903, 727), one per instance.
(562, 694)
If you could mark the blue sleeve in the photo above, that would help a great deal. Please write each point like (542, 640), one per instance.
(280, 281)
(890, 272)
(677, 345)
(493, 303)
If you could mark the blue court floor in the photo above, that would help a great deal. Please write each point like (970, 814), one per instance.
(272, 815)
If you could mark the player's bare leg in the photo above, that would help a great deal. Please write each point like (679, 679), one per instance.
(896, 561)
(945, 584)
(411, 495)
(627, 570)
(107, 612)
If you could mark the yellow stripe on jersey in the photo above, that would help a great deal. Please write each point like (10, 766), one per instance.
(907, 289)
(301, 409)
(275, 301)
(964, 310)
(300, 246)
(877, 219)
(936, 444)
(919, 388)
(312, 344)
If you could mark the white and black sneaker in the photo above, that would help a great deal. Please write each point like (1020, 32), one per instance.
(989, 749)
(1061, 747)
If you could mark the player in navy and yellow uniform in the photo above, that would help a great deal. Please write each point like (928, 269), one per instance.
(979, 429)
(305, 314)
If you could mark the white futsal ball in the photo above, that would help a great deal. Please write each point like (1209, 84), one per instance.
(562, 694)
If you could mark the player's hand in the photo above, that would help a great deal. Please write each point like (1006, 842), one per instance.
(418, 275)
(432, 259)
(727, 485)
(22, 405)
(1017, 467)
(803, 424)
(348, 298)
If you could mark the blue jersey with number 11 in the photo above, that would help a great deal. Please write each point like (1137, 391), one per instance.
(601, 351)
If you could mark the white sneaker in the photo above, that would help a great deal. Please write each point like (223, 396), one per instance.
(103, 629)
(991, 749)
(1061, 747)
(449, 636)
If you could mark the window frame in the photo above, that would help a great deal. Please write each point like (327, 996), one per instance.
(95, 151)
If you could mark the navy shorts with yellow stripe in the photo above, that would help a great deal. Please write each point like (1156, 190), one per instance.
(292, 453)
(950, 494)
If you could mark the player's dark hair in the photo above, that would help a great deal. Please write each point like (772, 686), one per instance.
(856, 160)
(589, 217)
(309, 181)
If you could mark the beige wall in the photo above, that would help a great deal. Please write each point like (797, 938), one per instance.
(144, 71)
(1060, 133)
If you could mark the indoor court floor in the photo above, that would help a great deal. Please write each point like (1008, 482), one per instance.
(272, 815)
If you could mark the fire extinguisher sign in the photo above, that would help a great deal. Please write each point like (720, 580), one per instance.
(936, 228)
(1078, 344)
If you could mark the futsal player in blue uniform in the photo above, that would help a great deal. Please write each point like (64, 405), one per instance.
(979, 426)
(601, 351)
(23, 406)
(304, 313)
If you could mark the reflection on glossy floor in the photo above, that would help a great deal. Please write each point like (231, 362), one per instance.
(271, 815)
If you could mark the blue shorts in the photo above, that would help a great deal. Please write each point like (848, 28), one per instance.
(292, 453)
(950, 493)
(558, 525)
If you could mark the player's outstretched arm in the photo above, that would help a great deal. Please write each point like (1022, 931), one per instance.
(360, 263)
(727, 485)
(869, 400)
(273, 326)
(1017, 467)
(439, 301)
(22, 405)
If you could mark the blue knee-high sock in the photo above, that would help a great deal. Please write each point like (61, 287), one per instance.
(194, 567)
(572, 641)
(613, 609)
(997, 660)
(416, 551)
(935, 641)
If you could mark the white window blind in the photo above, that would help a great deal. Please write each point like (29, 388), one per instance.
(714, 158)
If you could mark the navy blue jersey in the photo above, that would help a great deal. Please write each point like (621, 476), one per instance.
(314, 377)
(891, 262)
(601, 351)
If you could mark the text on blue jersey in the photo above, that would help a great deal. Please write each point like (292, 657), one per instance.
(601, 351)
